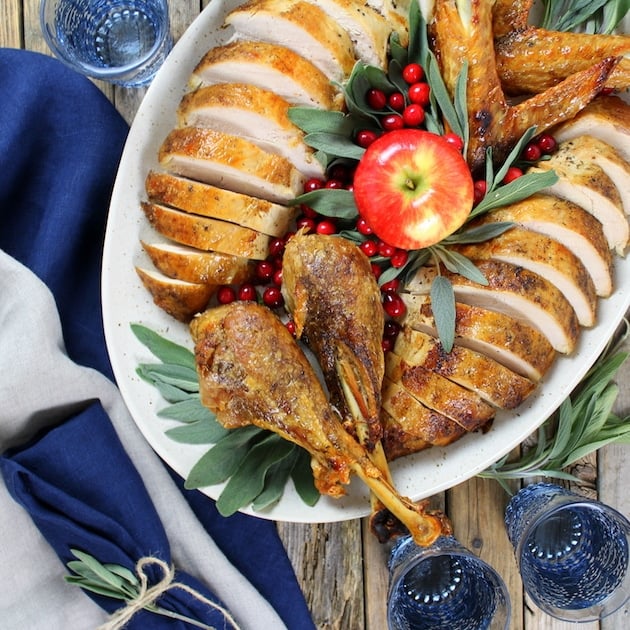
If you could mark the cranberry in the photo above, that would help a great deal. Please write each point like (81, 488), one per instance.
(413, 115)
(393, 305)
(420, 93)
(392, 122)
(247, 292)
(307, 211)
(369, 248)
(307, 223)
(276, 247)
(376, 99)
(363, 227)
(391, 328)
(338, 172)
(272, 297)
(225, 294)
(454, 140)
(365, 137)
(264, 270)
(396, 101)
(480, 187)
(412, 73)
(334, 183)
(532, 152)
(376, 270)
(547, 143)
(313, 184)
(277, 277)
(387, 344)
(399, 258)
(291, 326)
(512, 173)
(391, 287)
(385, 249)
(326, 227)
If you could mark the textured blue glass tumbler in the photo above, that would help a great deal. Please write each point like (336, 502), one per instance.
(444, 586)
(120, 41)
(572, 552)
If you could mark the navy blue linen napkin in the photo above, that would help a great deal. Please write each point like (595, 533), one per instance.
(83, 492)
(60, 144)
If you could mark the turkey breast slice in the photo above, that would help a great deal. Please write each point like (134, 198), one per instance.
(517, 292)
(230, 162)
(519, 347)
(207, 234)
(299, 26)
(547, 258)
(492, 381)
(406, 419)
(180, 299)
(587, 185)
(436, 392)
(568, 223)
(209, 201)
(270, 67)
(607, 158)
(250, 112)
(368, 30)
(181, 262)
(607, 117)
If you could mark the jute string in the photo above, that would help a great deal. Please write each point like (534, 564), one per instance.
(149, 595)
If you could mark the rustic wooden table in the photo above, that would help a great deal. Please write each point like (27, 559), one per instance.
(341, 566)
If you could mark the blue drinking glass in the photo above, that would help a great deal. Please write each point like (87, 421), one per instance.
(445, 586)
(120, 41)
(572, 552)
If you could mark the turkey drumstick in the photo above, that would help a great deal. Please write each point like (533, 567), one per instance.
(252, 371)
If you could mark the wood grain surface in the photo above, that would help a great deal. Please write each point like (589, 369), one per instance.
(341, 566)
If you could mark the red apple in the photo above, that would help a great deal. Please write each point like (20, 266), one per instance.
(413, 188)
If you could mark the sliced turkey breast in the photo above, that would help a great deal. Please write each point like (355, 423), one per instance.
(606, 117)
(396, 12)
(517, 292)
(519, 347)
(299, 26)
(568, 223)
(230, 162)
(607, 158)
(182, 300)
(218, 203)
(199, 267)
(250, 112)
(368, 30)
(546, 257)
(436, 392)
(586, 184)
(270, 67)
(399, 439)
(494, 382)
(406, 419)
(207, 234)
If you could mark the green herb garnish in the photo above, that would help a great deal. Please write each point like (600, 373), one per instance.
(583, 423)
(256, 462)
(588, 16)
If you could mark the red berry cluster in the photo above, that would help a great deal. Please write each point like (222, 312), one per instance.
(398, 109)
(544, 144)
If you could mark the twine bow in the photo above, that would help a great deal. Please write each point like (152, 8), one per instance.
(148, 596)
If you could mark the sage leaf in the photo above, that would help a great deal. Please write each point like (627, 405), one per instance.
(170, 393)
(302, 476)
(247, 482)
(334, 144)
(330, 202)
(187, 410)
(311, 120)
(177, 375)
(222, 460)
(198, 432)
(479, 234)
(275, 481)
(443, 307)
(162, 348)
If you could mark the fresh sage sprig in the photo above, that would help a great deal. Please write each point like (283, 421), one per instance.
(116, 582)
(583, 423)
(589, 16)
(256, 464)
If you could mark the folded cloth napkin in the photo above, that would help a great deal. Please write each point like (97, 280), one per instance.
(60, 142)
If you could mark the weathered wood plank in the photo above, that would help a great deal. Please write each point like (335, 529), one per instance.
(375, 576)
(327, 561)
(11, 21)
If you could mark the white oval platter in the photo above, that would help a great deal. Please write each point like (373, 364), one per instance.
(125, 301)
